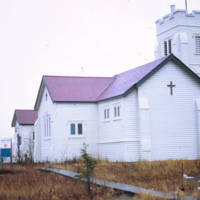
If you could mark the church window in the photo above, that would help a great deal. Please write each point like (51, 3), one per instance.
(80, 129)
(76, 128)
(197, 44)
(116, 111)
(170, 46)
(106, 113)
(167, 47)
(19, 140)
(47, 125)
(33, 135)
(72, 129)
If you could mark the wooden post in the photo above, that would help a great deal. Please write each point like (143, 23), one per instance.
(11, 161)
(1, 164)
(1, 161)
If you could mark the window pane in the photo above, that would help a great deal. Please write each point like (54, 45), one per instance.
(165, 48)
(49, 125)
(170, 46)
(18, 140)
(104, 114)
(45, 126)
(80, 129)
(115, 112)
(108, 113)
(118, 111)
(72, 127)
(197, 44)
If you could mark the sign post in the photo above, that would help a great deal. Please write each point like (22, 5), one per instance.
(5, 151)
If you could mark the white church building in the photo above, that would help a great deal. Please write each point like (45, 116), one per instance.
(151, 112)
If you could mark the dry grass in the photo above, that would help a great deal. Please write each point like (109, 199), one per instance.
(28, 183)
(158, 175)
(144, 196)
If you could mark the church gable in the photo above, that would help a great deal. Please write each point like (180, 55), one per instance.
(168, 124)
(175, 60)
(155, 68)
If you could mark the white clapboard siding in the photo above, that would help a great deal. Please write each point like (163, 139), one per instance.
(26, 133)
(119, 135)
(173, 118)
(85, 113)
(61, 145)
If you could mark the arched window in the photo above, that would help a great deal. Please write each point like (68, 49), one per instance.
(47, 125)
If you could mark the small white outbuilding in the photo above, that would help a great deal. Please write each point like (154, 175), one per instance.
(23, 121)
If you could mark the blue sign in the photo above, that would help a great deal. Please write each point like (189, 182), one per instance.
(5, 152)
(5, 147)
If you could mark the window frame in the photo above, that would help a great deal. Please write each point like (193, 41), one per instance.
(106, 113)
(47, 125)
(72, 129)
(197, 44)
(167, 46)
(116, 111)
(33, 135)
(19, 140)
(78, 125)
(79, 128)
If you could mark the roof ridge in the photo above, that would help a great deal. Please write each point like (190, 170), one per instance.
(57, 76)
(25, 110)
(114, 78)
(164, 57)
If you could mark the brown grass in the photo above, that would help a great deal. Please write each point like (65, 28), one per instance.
(28, 183)
(31, 184)
(158, 175)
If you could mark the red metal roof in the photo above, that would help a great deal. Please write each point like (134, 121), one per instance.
(78, 89)
(124, 81)
(94, 89)
(24, 117)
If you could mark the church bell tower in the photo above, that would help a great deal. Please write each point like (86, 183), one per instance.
(179, 33)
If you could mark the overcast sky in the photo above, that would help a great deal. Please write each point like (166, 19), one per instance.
(71, 37)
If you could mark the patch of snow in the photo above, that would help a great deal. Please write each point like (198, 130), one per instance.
(198, 188)
(186, 176)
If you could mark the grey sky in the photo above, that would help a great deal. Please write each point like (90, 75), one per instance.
(71, 37)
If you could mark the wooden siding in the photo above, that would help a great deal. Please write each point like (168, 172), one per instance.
(173, 117)
(119, 135)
